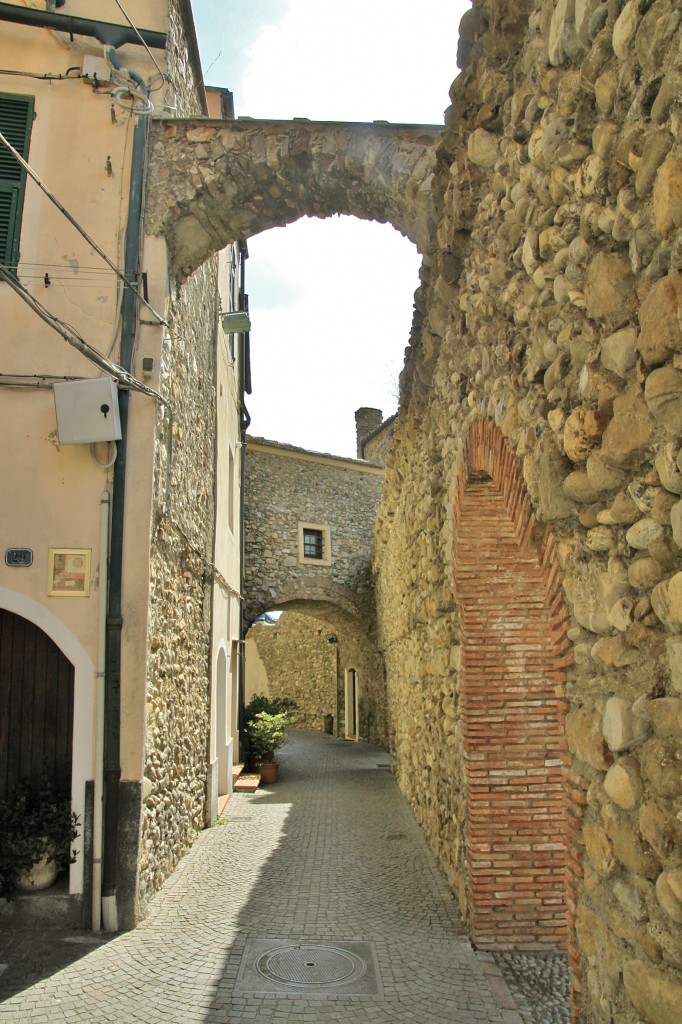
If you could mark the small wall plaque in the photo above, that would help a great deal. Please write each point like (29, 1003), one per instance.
(68, 572)
(19, 556)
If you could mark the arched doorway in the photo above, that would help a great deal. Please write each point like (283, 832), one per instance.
(83, 750)
(36, 706)
(515, 653)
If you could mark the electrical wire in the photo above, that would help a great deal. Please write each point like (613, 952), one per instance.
(69, 334)
(32, 380)
(48, 77)
(209, 568)
(63, 266)
(112, 460)
(141, 104)
(72, 220)
(40, 376)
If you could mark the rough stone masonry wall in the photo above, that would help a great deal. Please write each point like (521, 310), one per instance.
(552, 306)
(300, 664)
(284, 488)
(178, 712)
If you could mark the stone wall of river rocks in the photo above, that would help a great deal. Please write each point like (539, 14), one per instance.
(301, 665)
(182, 530)
(178, 702)
(552, 304)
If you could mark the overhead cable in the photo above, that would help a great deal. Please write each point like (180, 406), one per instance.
(72, 220)
(139, 36)
(91, 353)
(46, 77)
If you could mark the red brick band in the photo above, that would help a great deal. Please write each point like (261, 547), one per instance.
(523, 807)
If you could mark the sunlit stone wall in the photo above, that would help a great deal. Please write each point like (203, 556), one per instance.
(552, 307)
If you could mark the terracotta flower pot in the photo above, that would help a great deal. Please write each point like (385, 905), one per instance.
(268, 772)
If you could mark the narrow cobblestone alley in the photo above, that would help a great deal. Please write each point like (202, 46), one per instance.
(318, 901)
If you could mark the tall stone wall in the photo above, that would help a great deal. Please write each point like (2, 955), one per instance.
(182, 532)
(551, 308)
(178, 699)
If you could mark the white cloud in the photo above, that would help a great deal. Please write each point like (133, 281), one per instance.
(355, 61)
(337, 342)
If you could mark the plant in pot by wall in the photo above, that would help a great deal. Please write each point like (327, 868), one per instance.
(37, 828)
(265, 734)
(273, 705)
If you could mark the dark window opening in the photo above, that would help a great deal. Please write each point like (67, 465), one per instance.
(313, 546)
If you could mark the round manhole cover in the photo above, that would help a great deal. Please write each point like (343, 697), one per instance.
(310, 965)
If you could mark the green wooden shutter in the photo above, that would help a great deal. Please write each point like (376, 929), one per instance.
(16, 118)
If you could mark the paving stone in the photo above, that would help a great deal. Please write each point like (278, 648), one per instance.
(331, 853)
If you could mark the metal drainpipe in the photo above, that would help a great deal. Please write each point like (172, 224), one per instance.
(104, 31)
(112, 699)
(98, 802)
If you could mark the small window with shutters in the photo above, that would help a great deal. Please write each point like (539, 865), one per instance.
(16, 118)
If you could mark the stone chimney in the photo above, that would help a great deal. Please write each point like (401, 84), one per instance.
(366, 420)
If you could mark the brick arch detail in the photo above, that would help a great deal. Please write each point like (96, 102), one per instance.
(523, 801)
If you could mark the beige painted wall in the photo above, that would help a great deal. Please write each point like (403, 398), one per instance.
(54, 496)
(256, 672)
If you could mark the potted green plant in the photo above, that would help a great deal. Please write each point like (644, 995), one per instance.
(273, 705)
(37, 828)
(266, 733)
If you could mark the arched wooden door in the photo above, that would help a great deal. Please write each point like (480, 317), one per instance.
(36, 706)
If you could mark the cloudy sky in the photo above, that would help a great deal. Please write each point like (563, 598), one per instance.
(331, 300)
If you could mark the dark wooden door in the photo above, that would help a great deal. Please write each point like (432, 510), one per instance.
(36, 706)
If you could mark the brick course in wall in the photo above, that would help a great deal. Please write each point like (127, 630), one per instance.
(513, 703)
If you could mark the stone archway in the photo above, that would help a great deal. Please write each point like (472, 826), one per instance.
(307, 655)
(322, 598)
(520, 845)
(215, 182)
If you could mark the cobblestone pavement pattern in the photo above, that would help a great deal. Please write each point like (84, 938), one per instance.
(330, 855)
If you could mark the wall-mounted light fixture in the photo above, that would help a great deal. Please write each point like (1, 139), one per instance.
(236, 323)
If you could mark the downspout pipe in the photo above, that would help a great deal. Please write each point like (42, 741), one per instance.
(112, 703)
(98, 803)
(115, 62)
(105, 32)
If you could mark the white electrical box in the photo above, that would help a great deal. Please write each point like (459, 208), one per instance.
(96, 68)
(87, 411)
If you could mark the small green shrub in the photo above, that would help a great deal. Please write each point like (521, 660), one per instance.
(266, 733)
(36, 821)
(272, 705)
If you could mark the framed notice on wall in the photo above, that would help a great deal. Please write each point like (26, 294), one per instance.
(68, 572)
